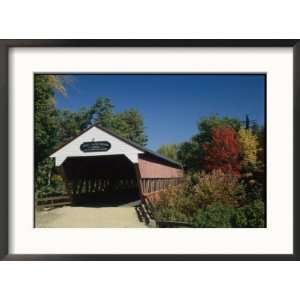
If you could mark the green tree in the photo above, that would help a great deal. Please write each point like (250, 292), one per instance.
(68, 125)
(101, 112)
(208, 124)
(130, 125)
(189, 154)
(72, 123)
(46, 125)
(169, 150)
(45, 114)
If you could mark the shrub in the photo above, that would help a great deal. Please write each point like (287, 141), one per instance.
(251, 215)
(254, 189)
(213, 200)
(255, 214)
(239, 218)
(58, 184)
(175, 204)
(218, 215)
(47, 181)
(218, 187)
(171, 214)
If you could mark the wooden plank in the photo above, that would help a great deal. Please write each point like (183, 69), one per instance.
(55, 204)
(54, 198)
(53, 201)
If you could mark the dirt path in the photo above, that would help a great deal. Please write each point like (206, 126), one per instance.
(89, 217)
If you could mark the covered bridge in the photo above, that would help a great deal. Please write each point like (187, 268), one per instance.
(99, 165)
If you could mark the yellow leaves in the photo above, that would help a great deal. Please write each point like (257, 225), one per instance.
(248, 147)
(56, 82)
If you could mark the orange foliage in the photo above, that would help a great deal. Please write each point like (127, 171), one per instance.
(222, 153)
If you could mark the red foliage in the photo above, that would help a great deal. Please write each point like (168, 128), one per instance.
(223, 151)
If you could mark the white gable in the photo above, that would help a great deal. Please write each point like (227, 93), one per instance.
(118, 147)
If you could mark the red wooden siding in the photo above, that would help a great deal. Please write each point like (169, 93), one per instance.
(152, 167)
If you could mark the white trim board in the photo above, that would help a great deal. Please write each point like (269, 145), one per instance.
(72, 149)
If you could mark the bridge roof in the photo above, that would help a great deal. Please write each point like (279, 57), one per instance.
(139, 148)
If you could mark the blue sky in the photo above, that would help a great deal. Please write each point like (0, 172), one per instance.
(171, 105)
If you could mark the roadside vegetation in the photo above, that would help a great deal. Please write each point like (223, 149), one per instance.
(224, 184)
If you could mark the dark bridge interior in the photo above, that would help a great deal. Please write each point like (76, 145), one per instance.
(101, 180)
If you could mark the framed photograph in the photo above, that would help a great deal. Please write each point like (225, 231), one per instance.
(149, 149)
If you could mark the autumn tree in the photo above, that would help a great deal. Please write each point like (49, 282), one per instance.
(248, 147)
(191, 153)
(222, 152)
(252, 162)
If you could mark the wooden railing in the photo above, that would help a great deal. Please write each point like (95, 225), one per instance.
(53, 201)
(154, 185)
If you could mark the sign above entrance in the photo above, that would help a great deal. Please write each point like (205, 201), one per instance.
(100, 146)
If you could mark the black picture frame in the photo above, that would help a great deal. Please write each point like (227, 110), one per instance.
(5, 45)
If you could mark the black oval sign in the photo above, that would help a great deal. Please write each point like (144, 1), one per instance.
(95, 146)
